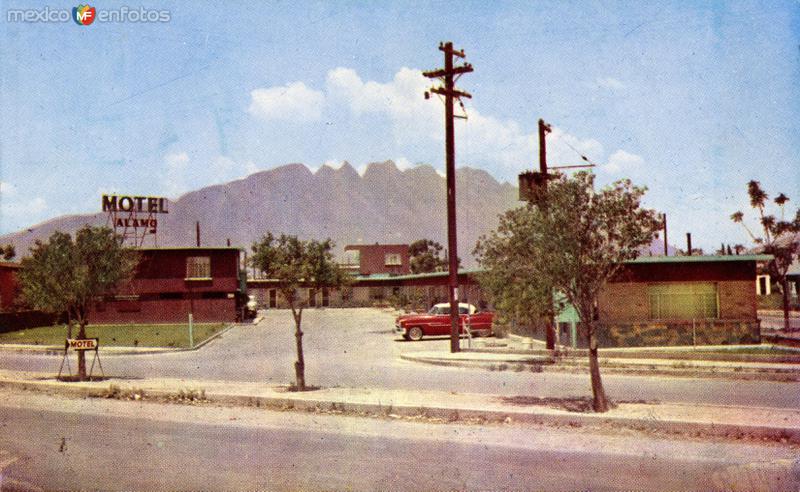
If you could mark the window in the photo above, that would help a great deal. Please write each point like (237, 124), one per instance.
(393, 259)
(683, 300)
(198, 267)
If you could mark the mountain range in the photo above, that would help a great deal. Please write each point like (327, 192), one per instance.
(384, 205)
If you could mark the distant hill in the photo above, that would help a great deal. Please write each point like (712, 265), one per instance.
(384, 205)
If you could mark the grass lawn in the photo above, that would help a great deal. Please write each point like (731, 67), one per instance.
(167, 335)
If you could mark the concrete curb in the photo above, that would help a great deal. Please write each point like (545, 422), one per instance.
(532, 414)
(113, 351)
(544, 364)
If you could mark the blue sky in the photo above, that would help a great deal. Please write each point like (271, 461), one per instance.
(692, 99)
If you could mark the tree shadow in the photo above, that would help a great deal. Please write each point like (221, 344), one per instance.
(577, 404)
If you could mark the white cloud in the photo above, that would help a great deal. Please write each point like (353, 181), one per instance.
(401, 100)
(334, 163)
(402, 163)
(621, 161)
(293, 102)
(7, 189)
(609, 83)
(484, 141)
(501, 146)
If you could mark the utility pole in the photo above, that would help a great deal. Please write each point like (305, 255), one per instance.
(666, 246)
(449, 74)
(533, 188)
(544, 129)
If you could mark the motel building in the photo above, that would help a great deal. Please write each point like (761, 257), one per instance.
(653, 301)
(170, 283)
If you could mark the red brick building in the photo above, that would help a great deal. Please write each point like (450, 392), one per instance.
(372, 259)
(169, 283)
(8, 284)
(682, 300)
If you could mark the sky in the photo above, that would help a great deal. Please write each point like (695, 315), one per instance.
(691, 99)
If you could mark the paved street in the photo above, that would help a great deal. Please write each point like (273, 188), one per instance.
(355, 348)
(110, 444)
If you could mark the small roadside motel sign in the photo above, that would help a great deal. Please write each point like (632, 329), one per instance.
(83, 343)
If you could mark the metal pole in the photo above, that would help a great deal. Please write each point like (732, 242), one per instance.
(191, 331)
(666, 249)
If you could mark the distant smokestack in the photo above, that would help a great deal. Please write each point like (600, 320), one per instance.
(689, 243)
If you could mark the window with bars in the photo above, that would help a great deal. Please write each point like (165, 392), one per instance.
(697, 300)
(198, 267)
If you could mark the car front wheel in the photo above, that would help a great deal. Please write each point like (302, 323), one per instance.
(415, 333)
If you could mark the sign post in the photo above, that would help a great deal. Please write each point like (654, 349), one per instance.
(81, 344)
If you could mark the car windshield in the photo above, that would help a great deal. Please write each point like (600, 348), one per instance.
(446, 310)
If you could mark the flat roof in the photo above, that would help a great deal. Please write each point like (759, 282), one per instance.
(699, 258)
(189, 248)
(640, 260)
(379, 245)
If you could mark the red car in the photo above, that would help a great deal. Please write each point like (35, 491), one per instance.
(436, 322)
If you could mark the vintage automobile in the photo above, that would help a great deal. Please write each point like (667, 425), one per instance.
(436, 322)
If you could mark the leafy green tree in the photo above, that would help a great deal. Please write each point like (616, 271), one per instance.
(779, 238)
(574, 245)
(296, 263)
(66, 276)
(426, 256)
(9, 252)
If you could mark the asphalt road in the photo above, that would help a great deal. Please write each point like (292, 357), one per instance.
(356, 348)
(113, 445)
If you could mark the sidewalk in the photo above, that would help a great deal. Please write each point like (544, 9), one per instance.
(500, 360)
(782, 425)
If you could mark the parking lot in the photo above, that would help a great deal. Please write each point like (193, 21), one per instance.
(357, 348)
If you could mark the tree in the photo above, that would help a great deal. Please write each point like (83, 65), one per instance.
(66, 276)
(426, 256)
(296, 263)
(8, 252)
(780, 238)
(574, 245)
